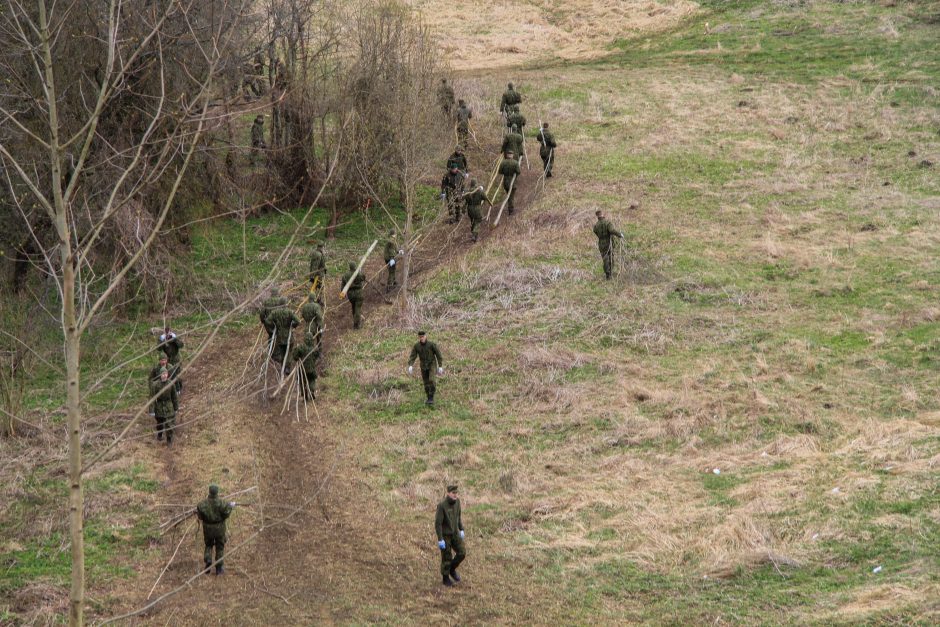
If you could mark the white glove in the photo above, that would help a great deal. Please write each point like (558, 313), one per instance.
(443, 195)
(461, 534)
(440, 371)
(401, 251)
(391, 263)
(411, 369)
(232, 504)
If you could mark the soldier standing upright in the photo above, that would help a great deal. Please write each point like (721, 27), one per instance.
(212, 513)
(445, 97)
(457, 159)
(272, 302)
(312, 314)
(451, 191)
(391, 251)
(604, 230)
(515, 118)
(547, 149)
(509, 169)
(448, 524)
(431, 363)
(318, 272)
(510, 97)
(354, 294)
(464, 114)
(171, 345)
(165, 405)
(475, 199)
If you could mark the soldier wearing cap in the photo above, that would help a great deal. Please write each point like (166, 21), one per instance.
(464, 114)
(431, 362)
(475, 199)
(509, 169)
(212, 513)
(450, 535)
(317, 271)
(165, 405)
(390, 253)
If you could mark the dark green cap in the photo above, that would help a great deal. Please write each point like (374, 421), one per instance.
(451, 488)
(213, 490)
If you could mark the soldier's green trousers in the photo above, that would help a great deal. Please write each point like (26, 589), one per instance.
(392, 282)
(607, 255)
(165, 426)
(512, 193)
(279, 352)
(475, 219)
(452, 555)
(430, 387)
(214, 538)
(356, 303)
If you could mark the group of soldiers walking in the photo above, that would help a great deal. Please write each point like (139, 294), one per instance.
(294, 342)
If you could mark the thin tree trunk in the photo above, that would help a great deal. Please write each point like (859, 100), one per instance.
(73, 408)
(409, 233)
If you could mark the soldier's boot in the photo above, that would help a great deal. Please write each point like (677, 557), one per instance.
(219, 570)
(169, 438)
(159, 433)
(446, 581)
(208, 567)
(454, 575)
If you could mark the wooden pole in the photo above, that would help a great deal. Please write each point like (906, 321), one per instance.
(505, 200)
(358, 269)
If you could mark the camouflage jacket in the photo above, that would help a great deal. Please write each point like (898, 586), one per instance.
(464, 114)
(307, 354)
(545, 137)
(317, 264)
(516, 119)
(513, 142)
(282, 321)
(167, 403)
(313, 316)
(355, 289)
(390, 252)
(458, 161)
(270, 304)
(604, 230)
(475, 198)
(213, 512)
(507, 169)
(447, 520)
(510, 97)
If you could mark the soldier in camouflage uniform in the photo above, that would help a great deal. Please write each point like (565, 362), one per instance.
(390, 253)
(513, 141)
(271, 303)
(318, 272)
(282, 321)
(305, 356)
(169, 344)
(464, 115)
(510, 97)
(312, 314)
(431, 363)
(355, 294)
(162, 365)
(509, 169)
(212, 513)
(475, 199)
(604, 230)
(445, 97)
(457, 159)
(547, 148)
(448, 524)
(451, 191)
(515, 118)
(165, 405)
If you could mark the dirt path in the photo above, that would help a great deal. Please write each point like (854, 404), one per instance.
(319, 530)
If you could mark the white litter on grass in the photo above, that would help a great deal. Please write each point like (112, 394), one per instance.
(835, 490)
(717, 471)
(887, 468)
(815, 535)
(764, 454)
(876, 569)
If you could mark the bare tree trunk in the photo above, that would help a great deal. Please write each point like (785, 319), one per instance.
(73, 408)
(409, 233)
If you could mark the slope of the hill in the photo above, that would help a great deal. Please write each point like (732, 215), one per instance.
(476, 34)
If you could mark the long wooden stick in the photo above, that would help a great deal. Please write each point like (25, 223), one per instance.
(358, 269)
(493, 178)
(172, 557)
(506, 200)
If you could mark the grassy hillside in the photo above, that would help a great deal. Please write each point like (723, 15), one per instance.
(742, 427)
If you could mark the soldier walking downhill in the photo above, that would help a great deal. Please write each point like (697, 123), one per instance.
(170, 345)
(431, 363)
(464, 115)
(165, 405)
(390, 252)
(317, 272)
(282, 322)
(212, 513)
(604, 230)
(355, 294)
(450, 535)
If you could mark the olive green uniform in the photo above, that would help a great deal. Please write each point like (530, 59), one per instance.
(516, 119)
(171, 346)
(312, 314)
(448, 525)
(452, 188)
(475, 200)
(464, 114)
(546, 149)
(283, 321)
(212, 513)
(306, 355)
(355, 294)
(513, 141)
(389, 254)
(508, 169)
(318, 272)
(270, 304)
(430, 359)
(457, 160)
(510, 97)
(165, 406)
(604, 230)
(445, 97)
